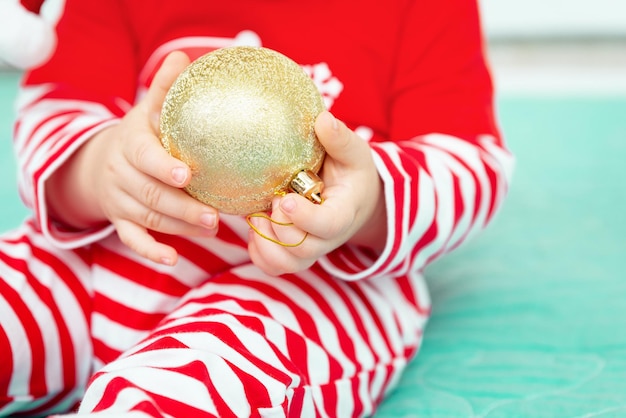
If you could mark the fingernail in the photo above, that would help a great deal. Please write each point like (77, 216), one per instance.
(179, 174)
(208, 220)
(167, 261)
(288, 204)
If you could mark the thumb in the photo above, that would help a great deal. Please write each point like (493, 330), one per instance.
(170, 69)
(341, 143)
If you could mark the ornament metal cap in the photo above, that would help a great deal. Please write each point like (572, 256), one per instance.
(308, 184)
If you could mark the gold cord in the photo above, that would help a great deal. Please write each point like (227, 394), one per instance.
(275, 241)
(306, 183)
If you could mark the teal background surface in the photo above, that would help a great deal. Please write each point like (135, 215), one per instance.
(529, 318)
(11, 209)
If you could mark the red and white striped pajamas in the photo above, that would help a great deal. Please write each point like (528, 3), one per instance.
(84, 319)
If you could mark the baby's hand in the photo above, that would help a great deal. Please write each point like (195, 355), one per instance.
(141, 189)
(126, 177)
(353, 209)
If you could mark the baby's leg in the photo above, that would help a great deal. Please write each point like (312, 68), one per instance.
(245, 344)
(45, 306)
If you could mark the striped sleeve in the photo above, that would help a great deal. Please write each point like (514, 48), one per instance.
(443, 162)
(440, 191)
(63, 103)
(48, 131)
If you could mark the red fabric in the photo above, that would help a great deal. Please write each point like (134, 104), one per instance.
(422, 76)
(32, 5)
(409, 75)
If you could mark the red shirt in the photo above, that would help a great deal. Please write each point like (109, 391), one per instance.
(400, 72)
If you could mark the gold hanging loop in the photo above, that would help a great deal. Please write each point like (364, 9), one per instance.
(306, 183)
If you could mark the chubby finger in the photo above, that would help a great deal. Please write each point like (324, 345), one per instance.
(153, 201)
(343, 145)
(144, 151)
(146, 154)
(158, 221)
(280, 232)
(271, 257)
(326, 221)
(139, 240)
(170, 69)
(268, 256)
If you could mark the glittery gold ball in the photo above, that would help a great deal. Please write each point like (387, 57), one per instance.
(242, 118)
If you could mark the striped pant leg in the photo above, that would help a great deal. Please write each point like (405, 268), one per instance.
(246, 344)
(44, 325)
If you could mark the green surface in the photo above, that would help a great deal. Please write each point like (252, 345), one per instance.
(11, 208)
(529, 318)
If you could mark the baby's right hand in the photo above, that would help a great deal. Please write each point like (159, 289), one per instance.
(126, 177)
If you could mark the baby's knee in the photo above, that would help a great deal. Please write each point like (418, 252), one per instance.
(192, 374)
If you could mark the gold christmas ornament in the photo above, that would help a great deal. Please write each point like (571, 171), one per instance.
(243, 119)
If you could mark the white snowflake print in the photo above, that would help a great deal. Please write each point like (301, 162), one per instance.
(329, 86)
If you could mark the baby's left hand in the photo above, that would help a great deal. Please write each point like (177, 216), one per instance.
(353, 209)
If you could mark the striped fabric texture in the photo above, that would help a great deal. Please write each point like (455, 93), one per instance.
(86, 323)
